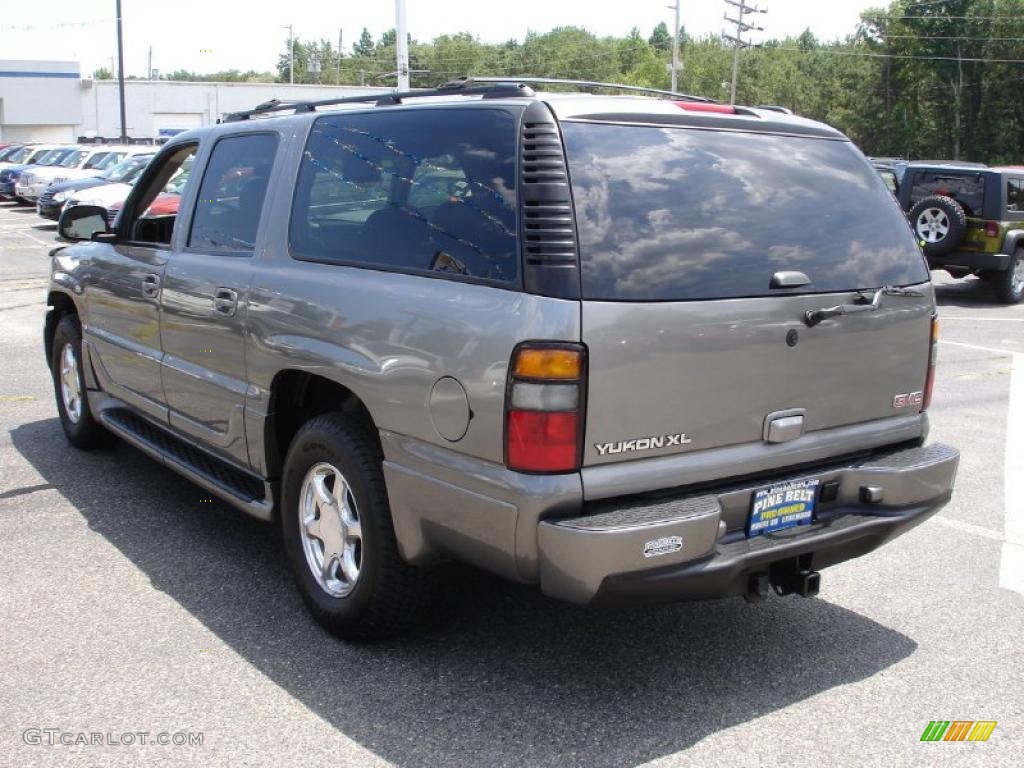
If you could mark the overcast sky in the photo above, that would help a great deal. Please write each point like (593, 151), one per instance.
(211, 35)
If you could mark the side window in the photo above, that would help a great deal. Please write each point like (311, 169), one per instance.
(1015, 196)
(155, 210)
(227, 213)
(430, 190)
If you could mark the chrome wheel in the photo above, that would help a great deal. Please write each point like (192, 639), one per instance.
(932, 225)
(332, 536)
(70, 386)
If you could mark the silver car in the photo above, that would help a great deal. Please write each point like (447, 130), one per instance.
(626, 348)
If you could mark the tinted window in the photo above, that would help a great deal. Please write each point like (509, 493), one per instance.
(424, 190)
(889, 177)
(231, 196)
(1015, 195)
(966, 188)
(72, 159)
(20, 155)
(676, 214)
(108, 161)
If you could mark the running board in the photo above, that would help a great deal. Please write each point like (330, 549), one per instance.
(239, 488)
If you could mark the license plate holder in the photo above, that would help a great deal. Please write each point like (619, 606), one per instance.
(778, 507)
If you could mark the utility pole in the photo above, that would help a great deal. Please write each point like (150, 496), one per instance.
(120, 75)
(337, 79)
(401, 46)
(291, 54)
(675, 49)
(738, 42)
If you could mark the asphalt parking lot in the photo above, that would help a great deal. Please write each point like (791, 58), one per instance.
(131, 602)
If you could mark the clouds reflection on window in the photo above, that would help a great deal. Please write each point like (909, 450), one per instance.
(673, 213)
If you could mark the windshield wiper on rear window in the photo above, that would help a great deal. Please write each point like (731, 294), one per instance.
(867, 303)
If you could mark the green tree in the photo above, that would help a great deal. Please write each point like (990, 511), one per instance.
(364, 46)
(660, 38)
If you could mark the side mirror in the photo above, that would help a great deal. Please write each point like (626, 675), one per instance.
(82, 222)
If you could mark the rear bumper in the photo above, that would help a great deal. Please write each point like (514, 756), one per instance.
(615, 554)
(968, 260)
(49, 210)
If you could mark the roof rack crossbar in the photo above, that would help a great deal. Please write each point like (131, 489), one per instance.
(527, 80)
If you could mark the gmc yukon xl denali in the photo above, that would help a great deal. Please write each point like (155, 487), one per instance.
(627, 348)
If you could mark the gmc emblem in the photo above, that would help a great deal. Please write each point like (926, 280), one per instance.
(908, 399)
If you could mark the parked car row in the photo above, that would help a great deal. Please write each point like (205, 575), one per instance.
(54, 176)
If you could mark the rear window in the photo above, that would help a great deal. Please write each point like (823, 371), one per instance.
(968, 189)
(429, 191)
(677, 214)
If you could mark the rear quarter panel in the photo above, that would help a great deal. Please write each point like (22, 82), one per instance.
(389, 337)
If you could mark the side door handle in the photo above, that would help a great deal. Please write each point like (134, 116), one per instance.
(225, 301)
(151, 286)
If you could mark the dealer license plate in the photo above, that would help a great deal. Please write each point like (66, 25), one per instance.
(782, 506)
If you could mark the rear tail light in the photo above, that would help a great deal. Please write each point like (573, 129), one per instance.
(544, 407)
(933, 355)
(992, 229)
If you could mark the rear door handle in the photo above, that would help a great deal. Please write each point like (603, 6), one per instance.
(225, 301)
(151, 286)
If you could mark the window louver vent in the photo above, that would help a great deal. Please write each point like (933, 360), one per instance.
(548, 229)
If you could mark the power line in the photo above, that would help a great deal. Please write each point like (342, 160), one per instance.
(897, 55)
(952, 37)
(47, 27)
(951, 18)
(742, 27)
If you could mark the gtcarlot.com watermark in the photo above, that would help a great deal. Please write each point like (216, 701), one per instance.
(55, 737)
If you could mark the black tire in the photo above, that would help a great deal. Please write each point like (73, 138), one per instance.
(1009, 284)
(389, 596)
(83, 431)
(946, 213)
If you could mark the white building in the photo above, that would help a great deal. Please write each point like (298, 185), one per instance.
(39, 100)
(49, 101)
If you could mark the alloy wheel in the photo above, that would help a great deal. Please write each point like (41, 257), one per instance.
(932, 225)
(70, 386)
(331, 532)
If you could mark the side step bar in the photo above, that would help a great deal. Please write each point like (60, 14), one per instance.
(239, 488)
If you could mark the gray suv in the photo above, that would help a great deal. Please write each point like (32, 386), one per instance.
(626, 348)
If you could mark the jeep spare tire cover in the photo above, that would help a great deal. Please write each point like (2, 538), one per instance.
(939, 223)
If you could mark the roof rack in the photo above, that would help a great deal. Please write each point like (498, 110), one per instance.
(501, 88)
(527, 80)
(488, 87)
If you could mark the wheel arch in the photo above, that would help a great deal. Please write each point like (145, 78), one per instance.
(296, 396)
(1013, 239)
(58, 305)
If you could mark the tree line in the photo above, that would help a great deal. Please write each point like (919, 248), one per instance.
(941, 79)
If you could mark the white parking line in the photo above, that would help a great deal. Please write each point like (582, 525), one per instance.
(1011, 568)
(944, 318)
(1007, 352)
(976, 530)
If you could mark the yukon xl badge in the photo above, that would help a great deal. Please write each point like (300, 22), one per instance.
(642, 444)
(666, 545)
